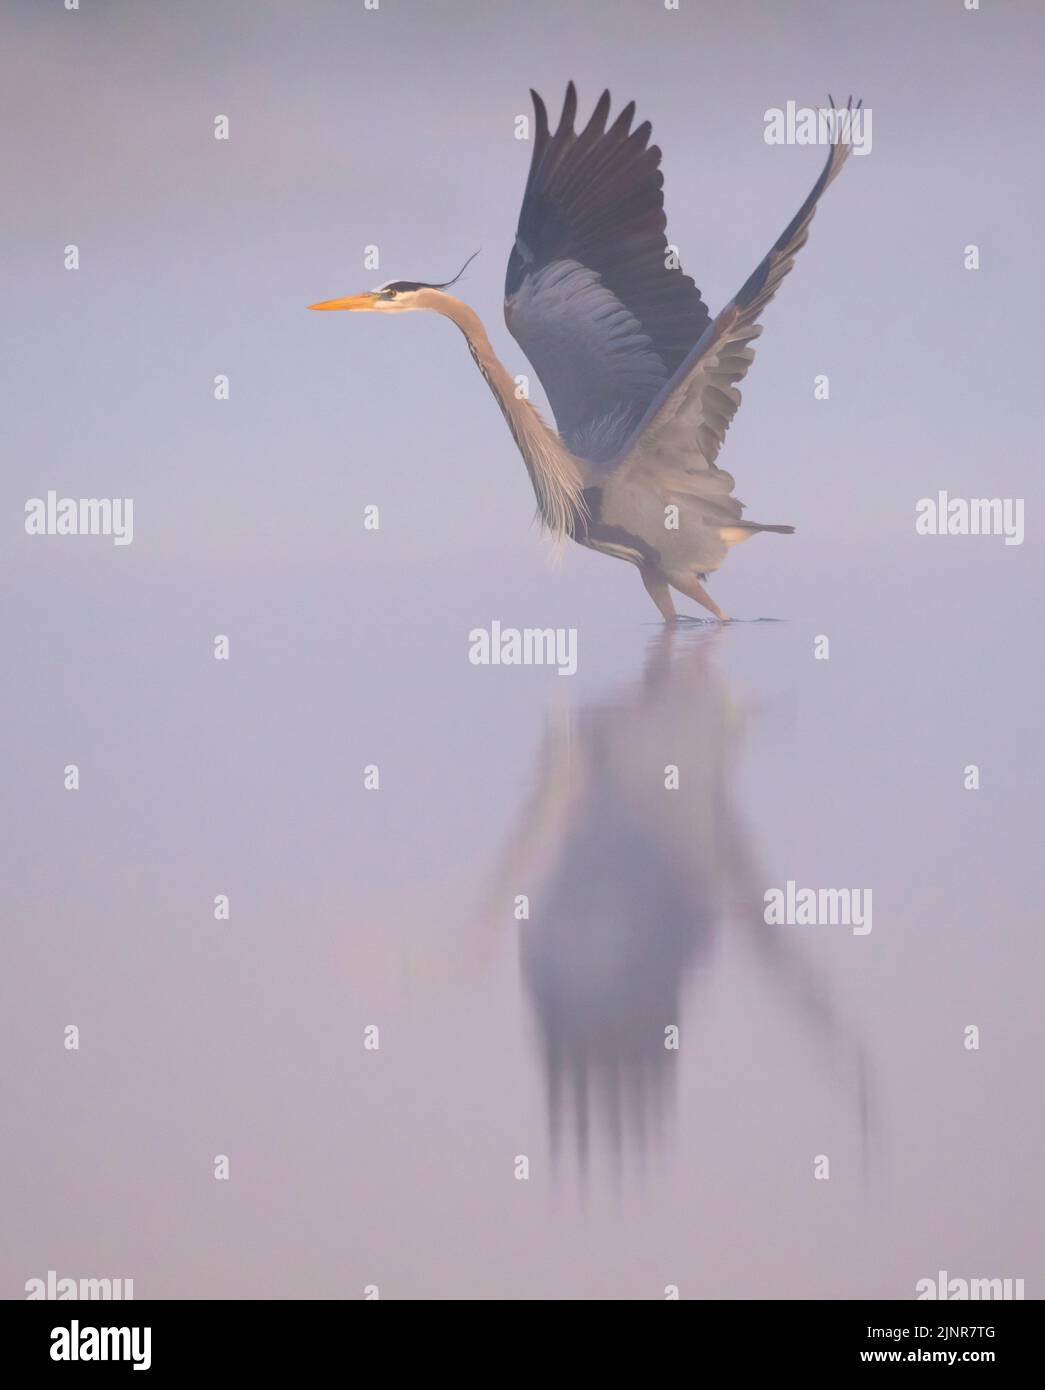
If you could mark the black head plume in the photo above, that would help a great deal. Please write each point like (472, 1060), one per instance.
(399, 285)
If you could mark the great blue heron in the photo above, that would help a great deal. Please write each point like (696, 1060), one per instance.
(641, 378)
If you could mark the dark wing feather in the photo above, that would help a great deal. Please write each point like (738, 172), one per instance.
(588, 294)
(678, 440)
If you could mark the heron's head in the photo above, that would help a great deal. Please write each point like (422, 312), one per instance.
(396, 296)
(388, 299)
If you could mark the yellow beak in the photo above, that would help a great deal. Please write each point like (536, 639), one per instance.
(354, 301)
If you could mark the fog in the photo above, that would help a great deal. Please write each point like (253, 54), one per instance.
(541, 1037)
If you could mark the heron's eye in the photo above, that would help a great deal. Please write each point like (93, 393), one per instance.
(389, 294)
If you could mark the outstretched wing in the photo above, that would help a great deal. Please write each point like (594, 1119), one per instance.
(678, 439)
(591, 294)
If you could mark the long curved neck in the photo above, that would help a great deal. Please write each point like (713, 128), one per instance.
(553, 471)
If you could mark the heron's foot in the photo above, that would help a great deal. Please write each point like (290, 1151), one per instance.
(657, 588)
(691, 586)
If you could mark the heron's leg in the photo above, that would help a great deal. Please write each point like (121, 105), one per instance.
(688, 584)
(657, 588)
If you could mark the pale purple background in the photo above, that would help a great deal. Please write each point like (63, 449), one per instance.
(245, 1038)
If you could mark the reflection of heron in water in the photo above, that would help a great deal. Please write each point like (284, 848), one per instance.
(629, 883)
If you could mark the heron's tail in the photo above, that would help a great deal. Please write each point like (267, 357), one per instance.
(741, 530)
